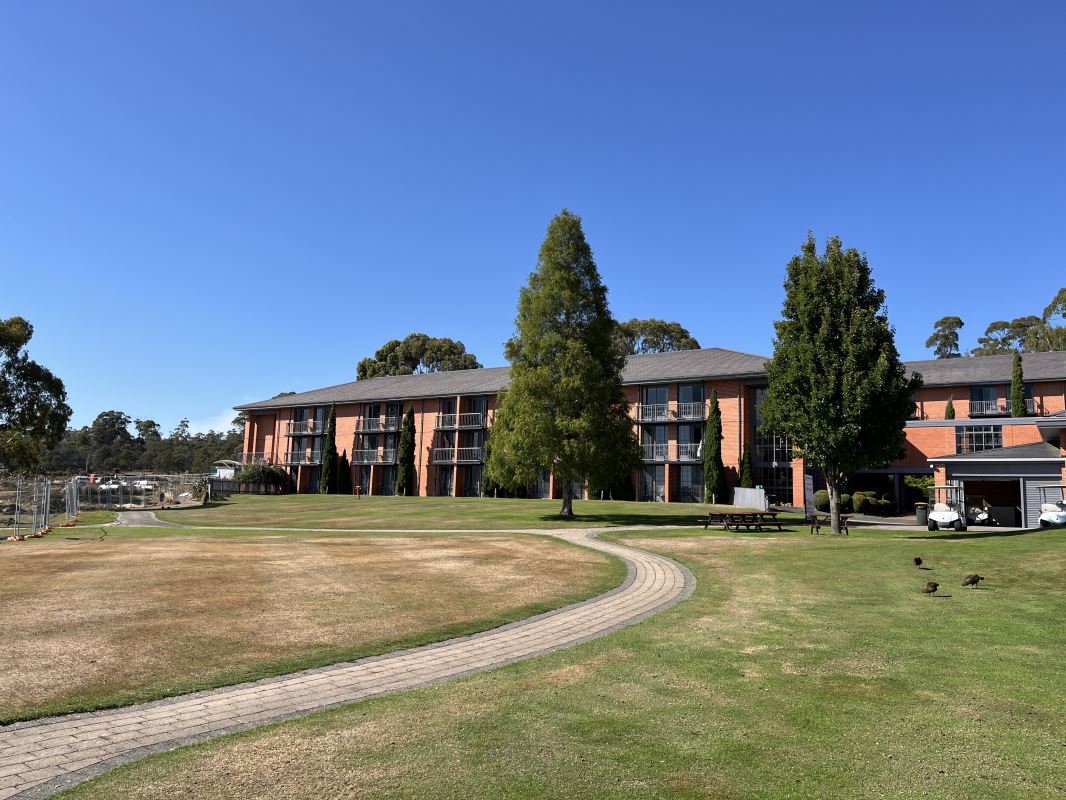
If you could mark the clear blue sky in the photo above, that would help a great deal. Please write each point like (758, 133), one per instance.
(206, 203)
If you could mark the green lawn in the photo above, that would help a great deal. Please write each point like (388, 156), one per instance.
(802, 667)
(472, 513)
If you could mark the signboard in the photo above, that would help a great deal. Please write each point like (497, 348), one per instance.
(808, 494)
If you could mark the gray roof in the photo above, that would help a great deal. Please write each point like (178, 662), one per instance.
(713, 362)
(989, 369)
(708, 363)
(1021, 452)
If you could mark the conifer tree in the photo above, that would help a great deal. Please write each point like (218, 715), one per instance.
(714, 480)
(328, 482)
(949, 409)
(565, 409)
(405, 456)
(1017, 388)
(747, 470)
(837, 387)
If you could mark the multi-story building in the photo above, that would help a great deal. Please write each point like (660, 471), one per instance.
(1001, 456)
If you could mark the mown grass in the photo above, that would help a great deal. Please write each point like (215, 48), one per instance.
(94, 621)
(801, 667)
(453, 513)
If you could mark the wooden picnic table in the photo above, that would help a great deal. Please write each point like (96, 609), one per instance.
(735, 520)
(817, 521)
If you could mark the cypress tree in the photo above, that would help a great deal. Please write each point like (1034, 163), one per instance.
(714, 481)
(565, 409)
(405, 457)
(949, 410)
(837, 387)
(328, 482)
(344, 474)
(747, 470)
(1017, 388)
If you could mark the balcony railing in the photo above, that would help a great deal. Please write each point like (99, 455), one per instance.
(984, 408)
(473, 419)
(376, 424)
(443, 455)
(1030, 406)
(303, 458)
(689, 452)
(653, 413)
(690, 411)
(656, 452)
(305, 427)
(470, 454)
(446, 420)
(256, 457)
(380, 455)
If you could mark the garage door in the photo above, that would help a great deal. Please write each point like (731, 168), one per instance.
(1031, 493)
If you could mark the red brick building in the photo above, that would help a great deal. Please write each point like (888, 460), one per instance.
(668, 395)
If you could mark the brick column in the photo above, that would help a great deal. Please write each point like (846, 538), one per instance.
(798, 471)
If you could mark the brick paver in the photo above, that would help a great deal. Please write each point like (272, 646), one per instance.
(42, 757)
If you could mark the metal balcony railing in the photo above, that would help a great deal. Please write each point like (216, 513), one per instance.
(984, 408)
(470, 454)
(653, 413)
(303, 458)
(446, 420)
(257, 457)
(689, 452)
(380, 455)
(376, 424)
(443, 455)
(305, 427)
(1030, 406)
(656, 452)
(690, 411)
(473, 419)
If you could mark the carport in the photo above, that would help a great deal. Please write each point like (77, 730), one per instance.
(1009, 478)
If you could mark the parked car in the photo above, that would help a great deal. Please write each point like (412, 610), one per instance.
(113, 483)
(144, 484)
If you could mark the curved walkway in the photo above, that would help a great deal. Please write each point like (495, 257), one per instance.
(42, 757)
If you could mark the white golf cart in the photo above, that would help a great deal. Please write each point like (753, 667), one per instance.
(1053, 512)
(947, 508)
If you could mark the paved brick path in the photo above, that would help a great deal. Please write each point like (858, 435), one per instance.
(42, 757)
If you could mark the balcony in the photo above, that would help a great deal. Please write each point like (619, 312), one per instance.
(690, 411)
(689, 452)
(1030, 406)
(653, 413)
(474, 419)
(306, 427)
(257, 457)
(446, 421)
(376, 424)
(985, 408)
(374, 456)
(303, 458)
(470, 455)
(656, 452)
(443, 455)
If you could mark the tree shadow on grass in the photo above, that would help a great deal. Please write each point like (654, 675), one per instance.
(986, 534)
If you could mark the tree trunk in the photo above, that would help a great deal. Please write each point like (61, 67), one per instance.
(834, 504)
(567, 511)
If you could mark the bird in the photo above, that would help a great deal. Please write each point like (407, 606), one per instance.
(972, 580)
(917, 562)
(931, 587)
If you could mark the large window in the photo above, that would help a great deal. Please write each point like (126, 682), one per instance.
(777, 481)
(690, 485)
(976, 438)
(984, 400)
(770, 448)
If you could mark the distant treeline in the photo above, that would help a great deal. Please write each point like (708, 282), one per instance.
(116, 443)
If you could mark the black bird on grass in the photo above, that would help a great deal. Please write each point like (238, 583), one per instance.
(917, 562)
(972, 580)
(931, 587)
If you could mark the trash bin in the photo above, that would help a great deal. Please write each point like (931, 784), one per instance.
(922, 512)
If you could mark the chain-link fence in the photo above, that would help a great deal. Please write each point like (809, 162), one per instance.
(31, 506)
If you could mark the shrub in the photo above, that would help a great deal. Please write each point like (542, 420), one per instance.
(845, 504)
(888, 508)
(861, 503)
(821, 500)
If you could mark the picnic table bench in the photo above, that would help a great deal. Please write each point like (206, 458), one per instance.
(735, 520)
(817, 521)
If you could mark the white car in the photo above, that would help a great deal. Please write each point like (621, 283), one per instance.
(143, 484)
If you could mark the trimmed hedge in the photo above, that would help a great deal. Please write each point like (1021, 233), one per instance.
(821, 500)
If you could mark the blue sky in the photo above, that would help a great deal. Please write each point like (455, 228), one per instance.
(206, 203)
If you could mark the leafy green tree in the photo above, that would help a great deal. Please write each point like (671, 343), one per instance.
(405, 456)
(747, 470)
(113, 447)
(655, 336)
(565, 409)
(418, 353)
(267, 475)
(715, 484)
(1017, 388)
(328, 481)
(33, 402)
(949, 409)
(945, 338)
(836, 384)
(344, 474)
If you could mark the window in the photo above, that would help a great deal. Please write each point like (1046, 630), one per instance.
(690, 393)
(690, 485)
(976, 438)
(777, 481)
(984, 400)
(770, 448)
